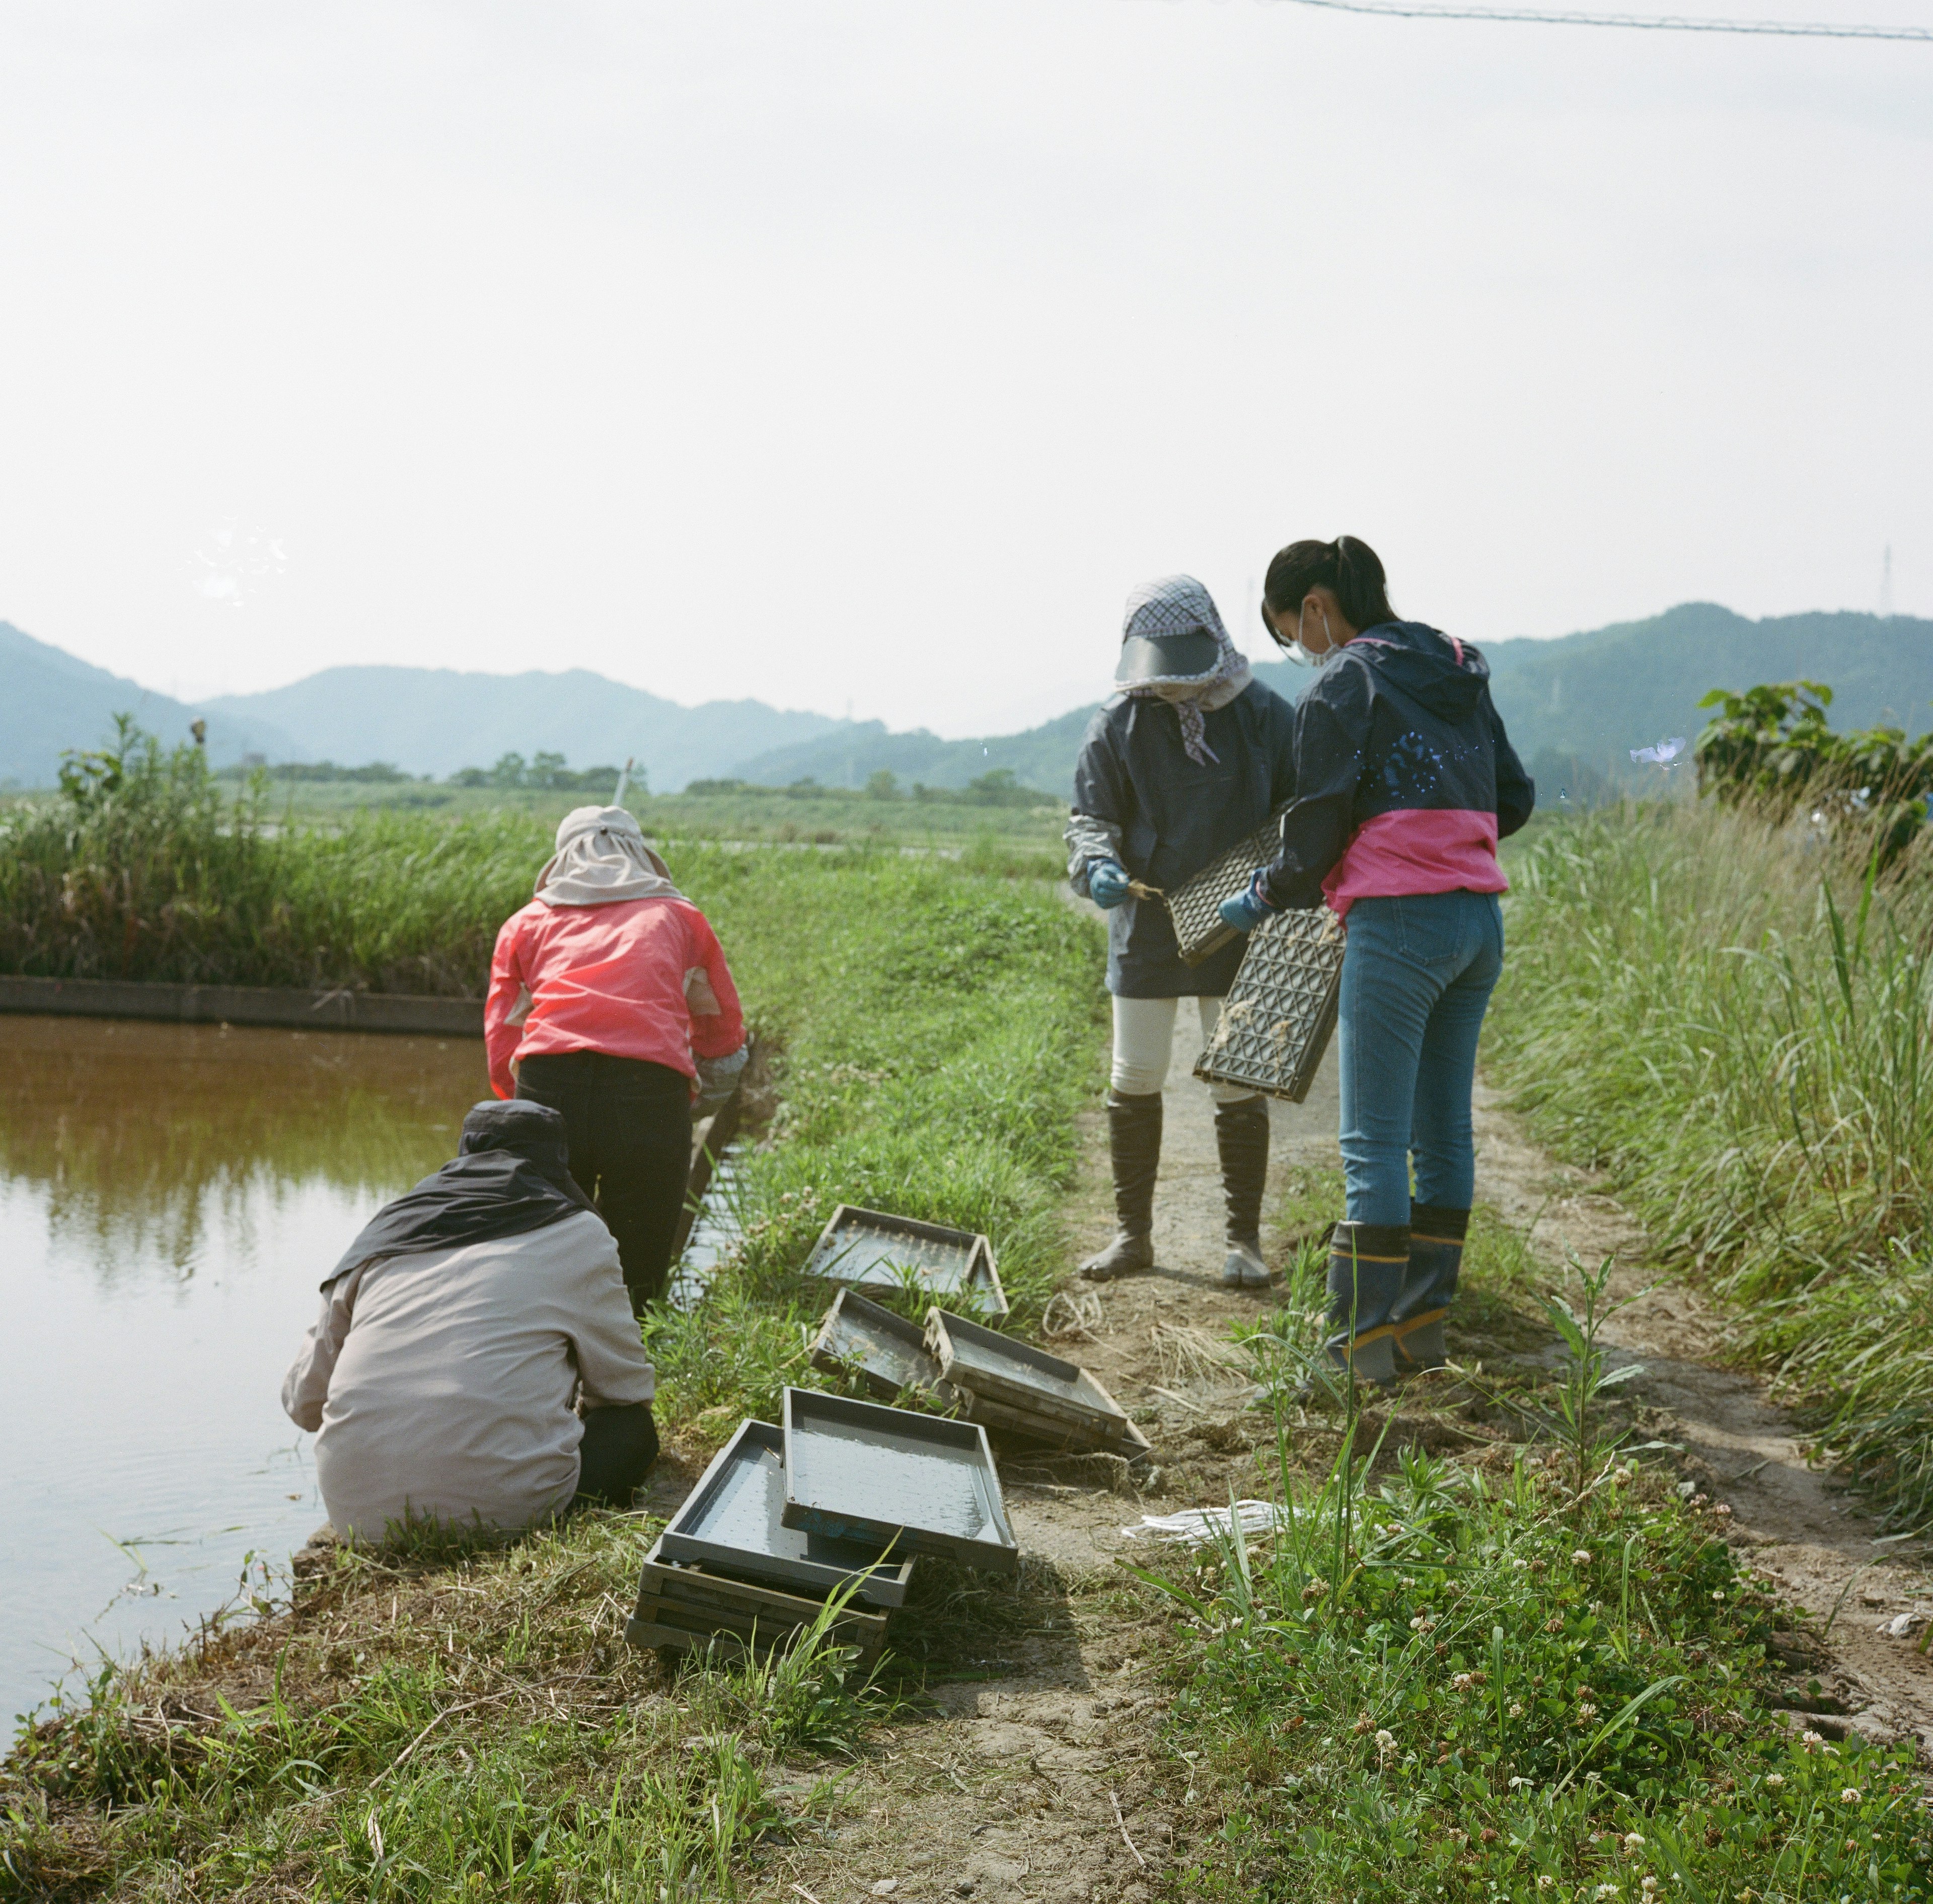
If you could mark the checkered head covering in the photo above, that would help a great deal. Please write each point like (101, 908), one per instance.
(1175, 648)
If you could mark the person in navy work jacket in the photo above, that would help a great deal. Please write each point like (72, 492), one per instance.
(1188, 756)
(1405, 781)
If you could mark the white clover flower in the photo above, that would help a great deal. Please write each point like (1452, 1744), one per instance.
(1775, 1779)
(1461, 1683)
(1809, 1740)
(1582, 1557)
(1386, 1743)
(1607, 1890)
(1516, 1712)
(1649, 1887)
(1724, 1512)
(1546, 1882)
(1633, 1844)
(1422, 1623)
(1621, 1479)
(1587, 1710)
(1850, 1796)
(1718, 1593)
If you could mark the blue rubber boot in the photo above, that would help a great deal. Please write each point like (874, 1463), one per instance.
(1367, 1263)
(1428, 1287)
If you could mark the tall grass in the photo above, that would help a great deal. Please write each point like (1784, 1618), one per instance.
(1736, 1022)
(145, 868)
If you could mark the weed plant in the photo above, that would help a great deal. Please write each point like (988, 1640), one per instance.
(147, 867)
(1732, 1020)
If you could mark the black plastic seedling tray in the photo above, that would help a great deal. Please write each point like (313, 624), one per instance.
(884, 1350)
(873, 1249)
(1018, 1376)
(1276, 1021)
(690, 1608)
(1048, 1434)
(732, 1523)
(1195, 905)
(854, 1470)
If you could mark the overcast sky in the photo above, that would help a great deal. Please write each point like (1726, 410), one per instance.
(866, 352)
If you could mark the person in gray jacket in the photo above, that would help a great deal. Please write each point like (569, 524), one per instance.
(1190, 755)
(476, 1358)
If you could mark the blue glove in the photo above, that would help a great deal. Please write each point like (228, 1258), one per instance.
(1247, 909)
(1107, 883)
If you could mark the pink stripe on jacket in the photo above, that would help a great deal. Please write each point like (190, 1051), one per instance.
(1417, 849)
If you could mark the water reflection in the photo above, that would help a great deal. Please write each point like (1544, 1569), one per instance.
(170, 1197)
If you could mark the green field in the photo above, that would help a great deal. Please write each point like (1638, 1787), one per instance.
(149, 868)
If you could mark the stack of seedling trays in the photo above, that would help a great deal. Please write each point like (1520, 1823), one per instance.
(1015, 1390)
(841, 1496)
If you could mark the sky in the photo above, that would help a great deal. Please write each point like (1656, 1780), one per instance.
(862, 355)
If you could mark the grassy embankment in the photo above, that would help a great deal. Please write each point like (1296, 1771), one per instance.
(1738, 1027)
(470, 1723)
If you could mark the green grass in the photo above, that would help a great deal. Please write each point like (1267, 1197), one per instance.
(1474, 1684)
(1734, 1025)
(940, 1026)
(463, 1721)
(828, 817)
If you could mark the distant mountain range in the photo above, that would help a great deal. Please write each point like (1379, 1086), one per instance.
(1587, 698)
(434, 720)
(49, 700)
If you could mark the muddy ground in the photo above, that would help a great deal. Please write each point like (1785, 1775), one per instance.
(1036, 1767)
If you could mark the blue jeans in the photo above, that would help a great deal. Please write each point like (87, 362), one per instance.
(1417, 973)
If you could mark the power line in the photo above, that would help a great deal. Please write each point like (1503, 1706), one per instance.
(1653, 23)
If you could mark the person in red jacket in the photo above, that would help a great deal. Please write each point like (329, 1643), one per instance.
(611, 1001)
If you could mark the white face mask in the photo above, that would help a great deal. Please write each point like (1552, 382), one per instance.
(1301, 652)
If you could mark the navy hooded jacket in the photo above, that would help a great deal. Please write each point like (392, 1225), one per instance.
(1405, 779)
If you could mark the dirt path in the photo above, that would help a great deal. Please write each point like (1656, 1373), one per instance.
(1806, 1532)
(1043, 1775)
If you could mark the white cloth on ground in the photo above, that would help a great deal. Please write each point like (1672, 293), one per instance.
(442, 1382)
(1144, 1041)
(602, 857)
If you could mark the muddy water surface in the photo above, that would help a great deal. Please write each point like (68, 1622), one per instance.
(169, 1198)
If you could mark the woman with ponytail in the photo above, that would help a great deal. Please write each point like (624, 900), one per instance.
(1405, 781)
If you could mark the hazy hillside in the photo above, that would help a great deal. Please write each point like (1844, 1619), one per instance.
(436, 720)
(1595, 696)
(1042, 757)
(49, 700)
(1601, 693)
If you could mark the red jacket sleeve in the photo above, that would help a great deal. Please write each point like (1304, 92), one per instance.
(501, 1037)
(719, 1033)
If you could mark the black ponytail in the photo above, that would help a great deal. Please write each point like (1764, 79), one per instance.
(1348, 566)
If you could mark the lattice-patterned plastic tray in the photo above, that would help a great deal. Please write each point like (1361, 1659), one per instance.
(1194, 905)
(1277, 1018)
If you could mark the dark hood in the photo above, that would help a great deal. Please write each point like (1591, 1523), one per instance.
(511, 1174)
(1445, 677)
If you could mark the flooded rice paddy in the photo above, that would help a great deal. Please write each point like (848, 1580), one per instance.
(170, 1195)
